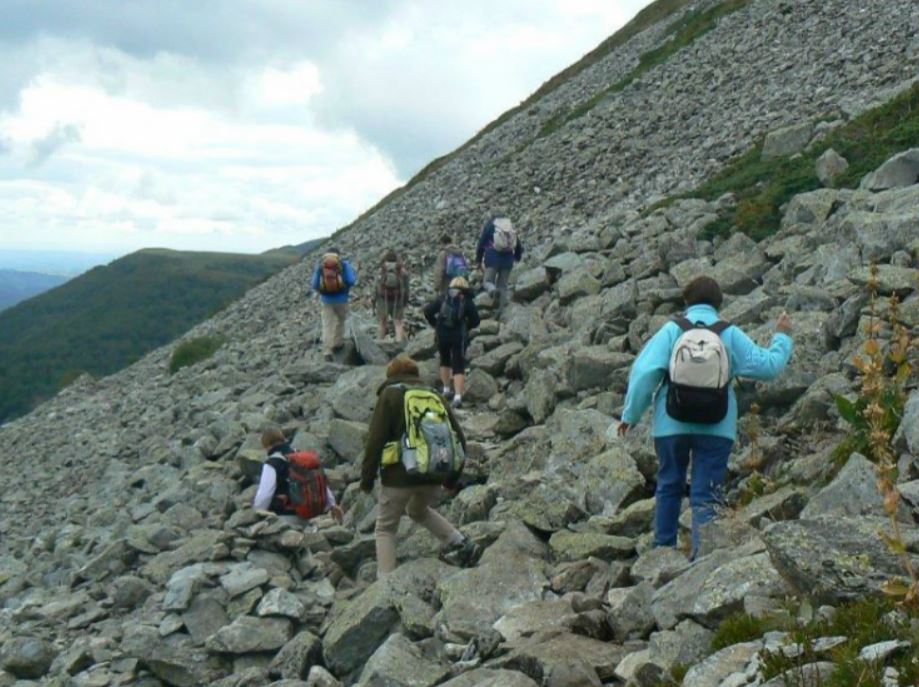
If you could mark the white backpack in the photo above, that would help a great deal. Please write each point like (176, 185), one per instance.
(505, 240)
(699, 374)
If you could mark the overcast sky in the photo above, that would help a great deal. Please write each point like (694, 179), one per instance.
(243, 125)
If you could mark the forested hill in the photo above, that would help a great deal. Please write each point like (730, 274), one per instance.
(112, 315)
(17, 285)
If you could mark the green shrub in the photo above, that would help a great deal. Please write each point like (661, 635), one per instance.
(762, 187)
(193, 351)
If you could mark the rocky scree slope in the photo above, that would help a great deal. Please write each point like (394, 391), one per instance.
(133, 559)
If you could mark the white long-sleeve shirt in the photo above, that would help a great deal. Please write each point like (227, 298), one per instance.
(268, 485)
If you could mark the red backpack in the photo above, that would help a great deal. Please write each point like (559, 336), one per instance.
(307, 485)
(330, 275)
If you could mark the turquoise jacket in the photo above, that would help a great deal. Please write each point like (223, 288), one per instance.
(649, 372)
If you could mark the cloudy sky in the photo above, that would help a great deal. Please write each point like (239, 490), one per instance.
(243, 125)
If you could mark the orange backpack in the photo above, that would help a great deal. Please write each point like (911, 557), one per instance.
(330, 276)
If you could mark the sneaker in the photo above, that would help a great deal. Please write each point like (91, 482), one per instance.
(456, 402)
(462, 554)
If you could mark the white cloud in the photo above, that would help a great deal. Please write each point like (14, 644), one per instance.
(260, 125)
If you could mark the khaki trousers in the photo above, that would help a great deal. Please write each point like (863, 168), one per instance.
(416, 502)
(333, 325)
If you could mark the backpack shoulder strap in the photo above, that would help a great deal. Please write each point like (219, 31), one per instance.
(719, 327)
(683, 323)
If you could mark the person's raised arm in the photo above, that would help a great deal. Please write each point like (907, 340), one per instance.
(755, 362)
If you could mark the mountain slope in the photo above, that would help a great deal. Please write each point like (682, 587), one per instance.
(150, 567)
(17, 286)
(110, 316)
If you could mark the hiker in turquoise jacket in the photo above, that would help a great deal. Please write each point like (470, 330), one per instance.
(706, 446)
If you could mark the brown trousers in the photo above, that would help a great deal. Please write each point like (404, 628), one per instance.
(416, 502)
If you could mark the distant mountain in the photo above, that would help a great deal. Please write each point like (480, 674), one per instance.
(16, 286)
(61, 262)
(299, 250)
(112, 315)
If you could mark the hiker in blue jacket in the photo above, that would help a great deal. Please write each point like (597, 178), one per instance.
(706, 446)
(499, 248)
(333, 280)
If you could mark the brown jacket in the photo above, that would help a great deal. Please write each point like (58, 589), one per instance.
(388, 424)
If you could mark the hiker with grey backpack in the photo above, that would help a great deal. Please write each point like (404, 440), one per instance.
(417, 447)
(685, 372)
(498, 249)
(453, 315)
(391, 295)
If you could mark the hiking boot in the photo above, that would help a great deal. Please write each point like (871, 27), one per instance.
(462, 554)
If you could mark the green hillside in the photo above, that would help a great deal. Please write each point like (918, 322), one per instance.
(110, 316)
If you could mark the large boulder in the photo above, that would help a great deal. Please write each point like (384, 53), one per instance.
(354, 395)
(830, 166)
(610, 481)
(852, 493)
(399, 662)
(26, 657)
(787, 140)
(247, 634)
(595, 366)
(715, 586)
(716, 668)
(836, 559)
(512, 571)
(551, 657)
(899, 171)
(347, 438)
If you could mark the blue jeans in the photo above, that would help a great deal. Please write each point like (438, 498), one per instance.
(709, 458)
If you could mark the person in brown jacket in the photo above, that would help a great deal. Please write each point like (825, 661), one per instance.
(401, 492)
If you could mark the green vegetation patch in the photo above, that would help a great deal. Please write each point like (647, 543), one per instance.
(682, 33)
(194, 351)
(762, 187)
(862, 623)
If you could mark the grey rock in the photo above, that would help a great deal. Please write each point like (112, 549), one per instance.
(718, 666)
(907, 437)
(787, 140)
(399, 663)
(880, 652)
(684, 645)
(612, 481)
(320, 677)
(129, 591)
(353, 396)
(890, 280)
(714, 587)
(280, 602)
(511, 572)
(481, 387)
(296, 659)
(242, 577)
(899, 171)
(532, 617)
(205, 616)
(347, 438)
(629, 613)
(576, 285)
(830, 166)
(487, 677)
(557, 653)
(247, 634)
(182, 586)
(26, 657)
(595, 366)
(659, 566)
(573, 546)
(540, 394)
(852, 493)
(355, 634)
(531, 284)
(809, 674)
(834, 560)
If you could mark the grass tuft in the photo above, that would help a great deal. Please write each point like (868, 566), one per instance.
(194, 351)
